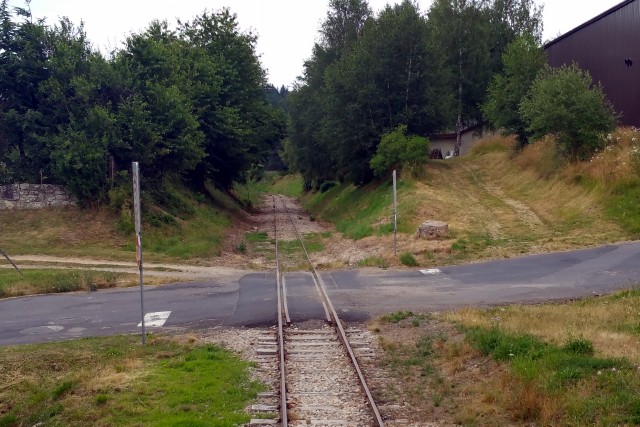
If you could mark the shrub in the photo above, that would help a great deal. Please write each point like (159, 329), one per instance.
(522, 61)
(563, 101)
(397, 149)
(408, 259)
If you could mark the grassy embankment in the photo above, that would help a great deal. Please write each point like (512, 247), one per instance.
(115, 381)
(178, 227)
(571, 364)
(497, 203)
(181, 226)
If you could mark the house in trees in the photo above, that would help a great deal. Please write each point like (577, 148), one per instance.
(446, 142)
(608, 46)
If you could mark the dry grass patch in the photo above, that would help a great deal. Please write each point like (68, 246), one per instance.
(566, 364)
(61, 231)
(611, 323)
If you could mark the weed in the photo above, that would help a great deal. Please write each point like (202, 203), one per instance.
(408, 259)
(242, 247)
(8, 420)
(374, 261)
(579, 346)
(62, 389)
(396, 317)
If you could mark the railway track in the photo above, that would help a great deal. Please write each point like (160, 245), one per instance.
(320, 380)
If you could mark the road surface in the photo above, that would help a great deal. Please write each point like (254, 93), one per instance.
(357, 294)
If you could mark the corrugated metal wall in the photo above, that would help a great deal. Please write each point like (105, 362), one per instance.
(602, 46)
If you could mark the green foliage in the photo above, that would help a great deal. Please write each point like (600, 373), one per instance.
(396, 317)
(471, 37)
(535, 360)
(522, 60)
(352, 209)
(34, 281)
(563, 101)
(408, 259)
(623, 205)
(374, 261)
(369, 75)
(397, 149)
(579, 346)
(167, 384)
(357, 89)
(187, 103)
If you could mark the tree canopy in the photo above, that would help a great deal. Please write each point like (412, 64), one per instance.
(369, 75)
(188, 102)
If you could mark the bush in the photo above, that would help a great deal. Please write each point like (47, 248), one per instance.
(522, 61)
(408, 259)
(563, 101)
(397, 149)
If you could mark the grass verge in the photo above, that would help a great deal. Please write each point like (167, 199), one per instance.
(568, 364)
(50, 281)
(115, 381)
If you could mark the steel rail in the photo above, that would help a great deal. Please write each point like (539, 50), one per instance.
(342, 333)
(283, 384)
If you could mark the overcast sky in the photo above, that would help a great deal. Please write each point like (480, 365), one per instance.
(286, 29)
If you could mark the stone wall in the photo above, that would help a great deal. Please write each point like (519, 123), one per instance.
(33, 196)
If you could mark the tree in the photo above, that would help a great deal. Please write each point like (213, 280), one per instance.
(310, 138)
(397, 149)
(228, 81)
(522, 60)
(564, 102)
(390, 78)
(472, 35)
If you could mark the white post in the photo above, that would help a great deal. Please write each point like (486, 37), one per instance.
(395, 216)
(138, 224)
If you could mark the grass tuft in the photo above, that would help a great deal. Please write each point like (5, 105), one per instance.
(374, 261)
(396, 317)
(408, 259)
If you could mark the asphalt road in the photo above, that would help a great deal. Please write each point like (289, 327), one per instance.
(357, 295)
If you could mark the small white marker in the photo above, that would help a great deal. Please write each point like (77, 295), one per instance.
(156, 319)
(430, 271)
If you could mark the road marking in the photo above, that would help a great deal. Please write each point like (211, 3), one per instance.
(155, 319)
(431, 271)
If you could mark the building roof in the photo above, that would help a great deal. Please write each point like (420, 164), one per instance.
(589, 22)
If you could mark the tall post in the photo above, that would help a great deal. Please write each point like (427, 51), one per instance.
(138, 224)
(395, 216)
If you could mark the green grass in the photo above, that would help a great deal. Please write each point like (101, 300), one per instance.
(116, 381)
(249, 193)
(373, 262)
(623, 205)
(589, 390)
(34, 281)
(313, 242)
(396, 317)
(199, 237)
(408, 259)
(356, 210)
(257, 237)
(289, 185)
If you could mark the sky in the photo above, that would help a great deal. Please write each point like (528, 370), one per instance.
(286, 29)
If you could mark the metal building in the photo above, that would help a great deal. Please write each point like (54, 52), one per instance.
(608, 46)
